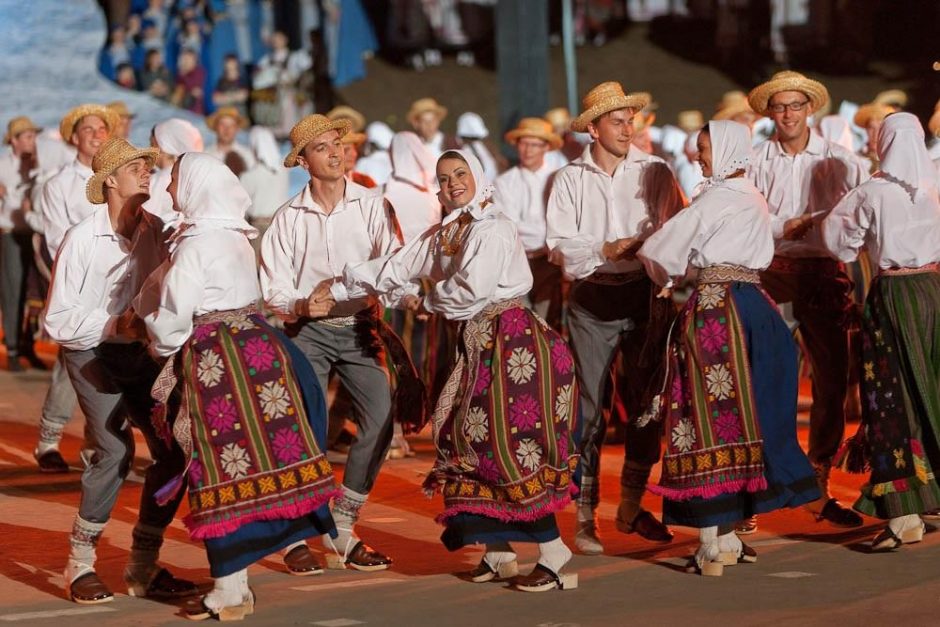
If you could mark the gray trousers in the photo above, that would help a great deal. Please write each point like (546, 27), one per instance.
(604, 322)
(13, 248)
(113, 384)
(59, 405)
(355, 353)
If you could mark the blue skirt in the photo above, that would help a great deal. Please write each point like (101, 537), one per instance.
(256, 540)
(790, 477)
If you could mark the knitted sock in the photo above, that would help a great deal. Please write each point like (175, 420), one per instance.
(227, 590)
(145, 549)
(345, 515)
(554, 555)
(708, 545)
(83, 542)
(587, 499)
(49, 437)
(498, 553)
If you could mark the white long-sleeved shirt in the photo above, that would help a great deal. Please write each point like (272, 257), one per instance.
(96, 275)
(243, 151)
(10, 178)
(588, 207)
(726, 225)
(378, 165)
(523, 196)
(491, 266)
(64, 203)
(210, 270)
(879, 215)
(306, 245)
(416, 209)
(809, 182)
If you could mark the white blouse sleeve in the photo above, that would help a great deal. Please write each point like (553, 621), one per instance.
(183, 290)
(277, 267)
(665, 254)
(392, 276)
(844, 229)
(579, 253)
(67, 321)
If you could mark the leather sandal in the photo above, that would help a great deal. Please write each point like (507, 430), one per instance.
(542, 578)
(198, 610)
(89, 590)
(887, 540)
(52, 462)
(362, 557)
(163, 586)
(301, 562)
(746, 527)
(646, 525)
(484, 572)
(838, 515)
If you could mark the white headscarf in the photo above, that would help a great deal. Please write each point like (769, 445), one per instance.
(731, 149)
(176, 136)
(835, 129)
(484, 188)
(904, 158)
(263, 144)
(412, 162)
(380, 134)
(210, 196)
(471, 126)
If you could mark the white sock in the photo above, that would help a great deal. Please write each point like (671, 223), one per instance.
(498, 553)
(83, 542)
(708, 545)
(227, 590)
(903, 523)
(345, 515)
(730, 543)
(554, 555)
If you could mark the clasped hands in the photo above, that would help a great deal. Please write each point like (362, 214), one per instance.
(623, 249)
(320, 302)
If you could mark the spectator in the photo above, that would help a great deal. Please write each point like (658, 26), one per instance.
(279, 70)
(231, 90)
(118, 52)
(190, 79)
(151, 38)
(315, 86)
(156, 13)
(191, 36)
(155, 79)
(125, 77)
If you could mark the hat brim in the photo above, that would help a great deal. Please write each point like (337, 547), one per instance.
(760, 96)
(414, 114)
(354, 138)
(518, 133)
(733, 110)
(866, 113)
(630, 101)
(8, 137)
(94, 190)
(341, 126)
(67, 126)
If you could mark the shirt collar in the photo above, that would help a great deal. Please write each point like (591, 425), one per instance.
(634, 155)
(815, 146)
(306, 202)
(103, 226)
(83, 170)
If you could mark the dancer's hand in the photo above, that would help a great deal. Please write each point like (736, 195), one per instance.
(415, 304)
(621, 249)
(796, 228)
(130, 325)
(666, 292)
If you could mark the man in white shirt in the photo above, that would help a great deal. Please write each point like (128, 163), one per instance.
(425, 117)
(63, 203)
(602, 205)
(101, 265)
(16, 179)
(803, 176)
(522, 194)
(226, 122)
(312, 237)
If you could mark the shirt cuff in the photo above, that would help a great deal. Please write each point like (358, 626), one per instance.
(776, 227)
(339, 292)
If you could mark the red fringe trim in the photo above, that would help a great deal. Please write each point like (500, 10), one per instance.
(556, 503)
(710, 491)
(218, 529)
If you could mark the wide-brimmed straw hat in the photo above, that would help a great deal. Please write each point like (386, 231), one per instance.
(307, 129)
(354, 138)
(226, 112)
(534, 127)
(357, 121)
(605, 98)
(892, 97)
(67, 125)
(872, 112)
(691, 120)
(121, 109)
(19, 125)
(423, 105)
(559, 117)
(760, 96)
(113, 154)
(732, 103)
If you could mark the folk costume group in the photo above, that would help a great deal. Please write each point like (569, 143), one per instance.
(162, 328)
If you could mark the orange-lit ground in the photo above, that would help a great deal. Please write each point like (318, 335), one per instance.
(807, 573)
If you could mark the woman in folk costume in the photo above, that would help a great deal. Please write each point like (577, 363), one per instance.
(504, 421)
(729, 400)
(253, 417)
(896, 216)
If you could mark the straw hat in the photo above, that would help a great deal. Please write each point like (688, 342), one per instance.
(605, 98)
(872, 112)
(113, 154)
(121, 109)
(558, 117)
(760, 96)
(354, 138)
(67, 125)
(534, 127)
(423, 105)
(691, 120)
(307, 129)
(17, 126)
(223, 112)
(357, 121)
(892, 97)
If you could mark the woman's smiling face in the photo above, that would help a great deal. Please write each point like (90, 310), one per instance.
(457, 185)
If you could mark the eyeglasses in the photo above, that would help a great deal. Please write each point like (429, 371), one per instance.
(792, 106)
